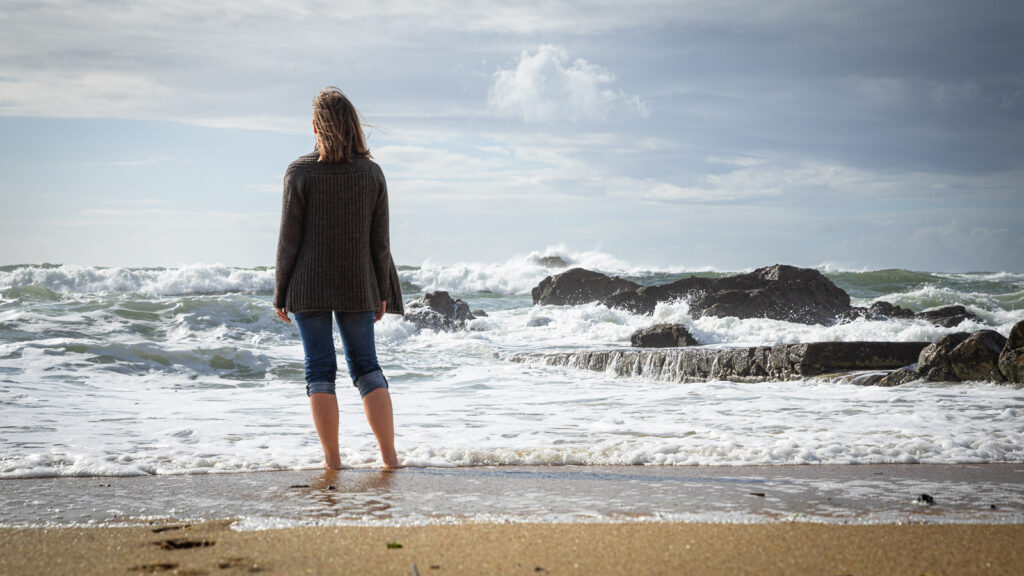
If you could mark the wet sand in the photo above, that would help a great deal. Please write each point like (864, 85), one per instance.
(853, 519)
(638, 548)
(842, 494)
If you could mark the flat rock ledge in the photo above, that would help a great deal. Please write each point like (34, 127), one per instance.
(826, 360)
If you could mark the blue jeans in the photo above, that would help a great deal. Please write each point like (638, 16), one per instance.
(321, 359)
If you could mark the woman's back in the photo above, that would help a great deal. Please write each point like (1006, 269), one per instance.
(333, 252)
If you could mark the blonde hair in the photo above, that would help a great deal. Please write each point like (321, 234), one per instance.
(339, 135)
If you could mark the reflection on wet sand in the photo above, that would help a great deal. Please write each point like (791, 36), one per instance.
(351, 492)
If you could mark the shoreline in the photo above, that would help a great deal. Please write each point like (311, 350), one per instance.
(816, 493)
(791, 519)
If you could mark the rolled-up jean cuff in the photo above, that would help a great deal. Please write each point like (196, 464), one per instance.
(369, 382)
(319, 388)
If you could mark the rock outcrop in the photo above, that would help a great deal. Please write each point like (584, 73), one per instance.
(578, 286)
(977, 357)
(662, 336)
(948, 316)
(1011, 359)
(962, 356)
(438, 311)
(933, 363)
(757, 364)
(779, 292)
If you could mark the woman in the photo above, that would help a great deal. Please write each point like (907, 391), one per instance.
(334, 263)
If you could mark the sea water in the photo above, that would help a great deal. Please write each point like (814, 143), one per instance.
(138, 371)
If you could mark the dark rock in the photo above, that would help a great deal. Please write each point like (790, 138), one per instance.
(757, 364)
(866, 378)
(1011, 360)
(977, 357)
(926, 499)
(779, 292)
(551, 261)
(538, 321)
(948, 316)
(480, 313)
(854, 313)
(897, 377)
(933, 363)
(578, 286)
(880, 310)
(438, 311)
(662, 336)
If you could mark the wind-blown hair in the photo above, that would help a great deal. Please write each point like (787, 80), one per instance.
(339, 135)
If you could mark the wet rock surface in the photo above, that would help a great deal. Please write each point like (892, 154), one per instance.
(662, 336)
(779, 292)
(880, 310)
(898, 377)
(977, 357)
(753, 364)
(933, 363)
(578, 286)
(438, 311)
(948, 316)
(1011, 359)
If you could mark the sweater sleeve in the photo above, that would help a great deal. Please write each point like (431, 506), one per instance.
(293, 208)
(380, 243)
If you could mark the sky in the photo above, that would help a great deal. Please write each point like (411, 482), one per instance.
(727, 134)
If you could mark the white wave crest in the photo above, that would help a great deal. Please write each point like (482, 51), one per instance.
(190, 279)
(521, 273)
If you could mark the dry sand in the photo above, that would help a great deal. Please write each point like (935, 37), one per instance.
(637, 548)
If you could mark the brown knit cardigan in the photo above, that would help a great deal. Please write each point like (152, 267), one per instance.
(333, 252)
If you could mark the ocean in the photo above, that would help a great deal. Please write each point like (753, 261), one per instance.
(186, 370)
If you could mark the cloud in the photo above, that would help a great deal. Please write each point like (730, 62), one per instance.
(546, 86)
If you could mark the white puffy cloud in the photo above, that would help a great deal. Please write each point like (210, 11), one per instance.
(547, 86)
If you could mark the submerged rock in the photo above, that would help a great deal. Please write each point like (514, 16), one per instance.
(578, 286)
(1011, 359)
(551, 261)
(977, 357)
(948, 316)
(933, 363)
(880, 310)
(438, 311)
(897, 377)
(538, 321)
(883, 310)
(662, 336)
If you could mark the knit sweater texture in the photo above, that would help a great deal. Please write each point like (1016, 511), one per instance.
(333, 251)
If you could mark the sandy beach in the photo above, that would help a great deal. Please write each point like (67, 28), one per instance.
(644, 548)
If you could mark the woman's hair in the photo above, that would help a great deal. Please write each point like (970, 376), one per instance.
(339, 136)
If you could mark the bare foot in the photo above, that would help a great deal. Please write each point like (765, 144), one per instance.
(392, 467)
(337, 466)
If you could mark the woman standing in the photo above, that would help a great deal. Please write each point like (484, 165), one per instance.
(334, 264)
